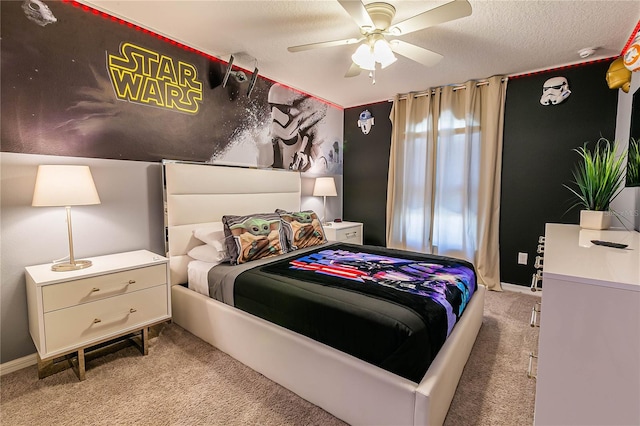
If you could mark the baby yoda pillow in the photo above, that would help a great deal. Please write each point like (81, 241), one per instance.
(302, 229)
(253, 237)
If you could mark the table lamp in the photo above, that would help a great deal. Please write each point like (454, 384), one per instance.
(65, 185)
(325, 187)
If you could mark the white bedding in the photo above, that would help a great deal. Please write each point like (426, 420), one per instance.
(198, 271)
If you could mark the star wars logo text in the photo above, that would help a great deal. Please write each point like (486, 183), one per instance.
(146, 77)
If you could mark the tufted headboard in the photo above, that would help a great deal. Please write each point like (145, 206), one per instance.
(197, 194)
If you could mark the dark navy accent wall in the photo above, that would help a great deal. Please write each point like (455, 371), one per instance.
(537, 160)
(366, 166)
(538, 157)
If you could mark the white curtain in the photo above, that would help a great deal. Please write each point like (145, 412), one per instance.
(444, 174)
(410, 188)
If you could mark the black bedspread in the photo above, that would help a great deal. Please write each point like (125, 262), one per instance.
(391, 308)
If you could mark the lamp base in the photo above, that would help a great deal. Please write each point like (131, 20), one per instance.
(77, 264)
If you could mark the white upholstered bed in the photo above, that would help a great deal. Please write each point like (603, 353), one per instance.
(352, 390)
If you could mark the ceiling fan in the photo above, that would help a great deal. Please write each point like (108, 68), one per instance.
(375, 22)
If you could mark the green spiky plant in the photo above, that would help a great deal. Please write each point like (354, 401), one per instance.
(633, 163)
(598, 177)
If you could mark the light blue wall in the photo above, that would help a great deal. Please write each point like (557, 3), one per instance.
(130, 217)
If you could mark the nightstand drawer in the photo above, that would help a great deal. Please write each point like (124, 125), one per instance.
(346, 232)
(91, 289)
(79, 325)
(349, 235)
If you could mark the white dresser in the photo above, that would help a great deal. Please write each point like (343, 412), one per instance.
(73, 310)
(589, 346)
(346, 232)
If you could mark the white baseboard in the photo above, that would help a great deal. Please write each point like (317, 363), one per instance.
(520, 289)
(18, 364)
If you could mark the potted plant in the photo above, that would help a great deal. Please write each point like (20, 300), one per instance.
(633, 163)
(598, 179)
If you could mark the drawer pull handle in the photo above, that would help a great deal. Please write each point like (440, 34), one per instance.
(534, 315)
(538, 263)
(122, 289)
(529, 370)
(537, 277)
(351, 234)
(131, 311)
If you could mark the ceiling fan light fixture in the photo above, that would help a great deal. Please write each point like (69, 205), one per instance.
(382, 53)
(387, 62)
(364, 58)
(374, 21)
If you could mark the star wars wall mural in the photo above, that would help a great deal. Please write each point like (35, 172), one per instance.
(146, 77)
(76, 84)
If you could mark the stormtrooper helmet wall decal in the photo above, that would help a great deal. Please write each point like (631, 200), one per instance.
(365, 121)
(555, 91)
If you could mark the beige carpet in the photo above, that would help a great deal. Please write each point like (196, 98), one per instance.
(494, 388)
(185, 381)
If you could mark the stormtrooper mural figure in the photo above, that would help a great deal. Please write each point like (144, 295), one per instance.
(554, 91)
(365, 121)
(293, 130)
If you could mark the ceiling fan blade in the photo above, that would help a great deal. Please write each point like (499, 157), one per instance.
(324, 44)
(416, 53)
(358, 13)
(353, 71)
(447, 12)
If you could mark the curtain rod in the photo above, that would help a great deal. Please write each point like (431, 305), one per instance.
(456, 87)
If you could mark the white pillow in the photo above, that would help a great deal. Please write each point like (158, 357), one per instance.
(208, 253)
(211, 234)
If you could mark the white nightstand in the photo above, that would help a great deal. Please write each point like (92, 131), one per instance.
(346, 232)
(71, 311)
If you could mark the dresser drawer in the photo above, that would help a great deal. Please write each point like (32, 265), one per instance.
(349, 235)
(79, 325)
(91, 289)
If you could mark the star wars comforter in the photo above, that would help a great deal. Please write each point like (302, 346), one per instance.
(391, 308)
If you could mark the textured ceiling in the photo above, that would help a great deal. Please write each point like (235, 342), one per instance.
(500, 37)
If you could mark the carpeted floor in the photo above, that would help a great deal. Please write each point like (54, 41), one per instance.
(185, 381)
(494, 388)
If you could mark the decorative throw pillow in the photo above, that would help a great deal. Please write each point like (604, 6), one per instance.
(302, 229)
(253, 237)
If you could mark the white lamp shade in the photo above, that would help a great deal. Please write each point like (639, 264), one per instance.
(325, 186)
(64, 185)
(363, 57)
(383, 53)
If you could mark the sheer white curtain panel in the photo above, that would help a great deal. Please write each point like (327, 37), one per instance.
(444, 174)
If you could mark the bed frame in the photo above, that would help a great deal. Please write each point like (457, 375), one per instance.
(350, 389)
